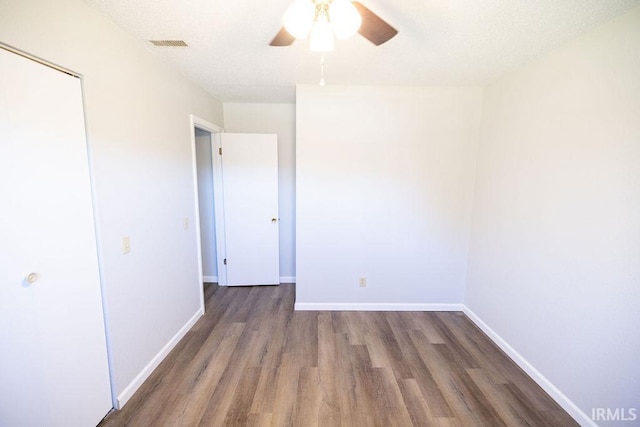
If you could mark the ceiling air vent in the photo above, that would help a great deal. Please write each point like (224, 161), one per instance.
(169, 43)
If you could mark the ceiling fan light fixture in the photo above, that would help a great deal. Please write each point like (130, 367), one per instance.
(299, 17)
(321, 39)
(345, 18)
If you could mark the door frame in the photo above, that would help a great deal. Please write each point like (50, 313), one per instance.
(216, 163)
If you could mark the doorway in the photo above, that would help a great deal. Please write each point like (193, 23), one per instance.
(203, 136)
(206, 203)
(236, 206)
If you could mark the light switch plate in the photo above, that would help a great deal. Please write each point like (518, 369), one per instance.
(126, 245)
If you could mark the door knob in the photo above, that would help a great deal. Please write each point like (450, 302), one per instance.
(31, 278)
(274, 220)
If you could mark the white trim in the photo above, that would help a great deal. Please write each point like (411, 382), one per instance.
(305, 306)
(197, 122)
(287, 279)
(157, 359)
(218, 206)
(39, 60)
(205, 125)
(540, 379)
(210, 279)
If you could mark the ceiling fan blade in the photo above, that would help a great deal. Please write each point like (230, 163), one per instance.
(283, 38)
(373, 28)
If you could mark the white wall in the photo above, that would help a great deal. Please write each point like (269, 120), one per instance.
(279, 119)
(139, 132)
(555, 243)
(384, 190)
(206, 205)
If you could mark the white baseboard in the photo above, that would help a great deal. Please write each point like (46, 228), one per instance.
(283, 279)
(302, 306)
(153, 364)
(210, 279)
(540, 379)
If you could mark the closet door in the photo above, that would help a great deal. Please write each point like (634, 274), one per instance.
(53, 357)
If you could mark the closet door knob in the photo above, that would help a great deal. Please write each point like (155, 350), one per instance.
(31, 278)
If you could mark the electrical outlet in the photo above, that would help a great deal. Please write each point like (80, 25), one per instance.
(126, 245)
(186, 223)
(363, 282)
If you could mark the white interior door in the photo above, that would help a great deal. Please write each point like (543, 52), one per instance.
(250, 209)
(53, 356)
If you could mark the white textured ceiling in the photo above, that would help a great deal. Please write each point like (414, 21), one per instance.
(440, 42)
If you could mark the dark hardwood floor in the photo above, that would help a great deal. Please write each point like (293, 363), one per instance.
(251, 360)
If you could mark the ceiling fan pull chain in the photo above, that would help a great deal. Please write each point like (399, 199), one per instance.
(322, 83)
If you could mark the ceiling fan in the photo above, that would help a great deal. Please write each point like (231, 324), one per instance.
(321, 20)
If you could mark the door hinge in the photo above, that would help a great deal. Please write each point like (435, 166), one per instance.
(225, 261)
(220, 151)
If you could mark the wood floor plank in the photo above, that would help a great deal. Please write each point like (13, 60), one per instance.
(222, 397)
(258, 420)
(390, 398)
(509, 407)
(457, 350)
(238, 412)
(470, 405)
(430, 391)
(421, 321)
(308, 398)
(416, 405)
(193, 401)
(366, 406)
(383, 346)
(263, 400)
(329, 411)
(486, 353)
(345, 380)
(217, 348)
(286, 389)
(349, 323)
(252, 361)
(552, 415)
(302, 338)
